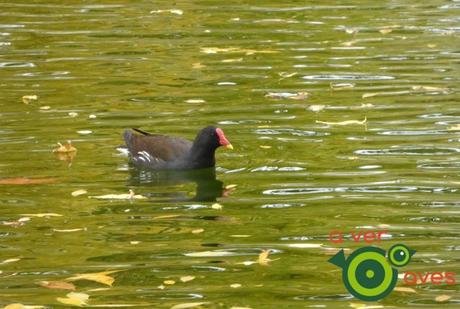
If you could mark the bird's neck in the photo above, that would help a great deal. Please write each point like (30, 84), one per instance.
(202, 157)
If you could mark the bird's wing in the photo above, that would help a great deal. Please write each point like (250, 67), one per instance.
(155, 149)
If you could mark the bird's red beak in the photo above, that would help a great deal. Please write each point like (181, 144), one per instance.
(223, 141)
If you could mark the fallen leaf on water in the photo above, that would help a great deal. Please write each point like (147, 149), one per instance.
(79, 192)
(172, 11)
(195, 101)
(232, 186)
(404, 289)
(7, 261)
(92, 116)
(235, 285)
(188, 305)
(169, 282)
(67, 148)
(134, 242)
(385, 30)
(263, 258)
(344, 123)
(43, 215)
(45, 107)
(73, 114)
(454, 128)
(265, 146)
(29, 98)
(26, 181)
(247, 263)
(57, 285)
(69, 230)
(101, 277)
(75, 299)
(442, 298)
(429, 88)
(187, 278)
(126, 196)
(232, 60)
(21, 306)
(217, 206)
(316, 108)
(84, 132)
(18, 223)
(197, 231)
(431, 45)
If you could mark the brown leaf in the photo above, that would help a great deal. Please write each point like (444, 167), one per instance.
(62, 285)
(67, 148)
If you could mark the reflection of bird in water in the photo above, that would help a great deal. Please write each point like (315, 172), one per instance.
(208, 188)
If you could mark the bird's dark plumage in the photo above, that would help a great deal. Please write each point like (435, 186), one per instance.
(154, 151)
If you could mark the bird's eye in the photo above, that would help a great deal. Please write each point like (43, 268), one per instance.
(399, 255)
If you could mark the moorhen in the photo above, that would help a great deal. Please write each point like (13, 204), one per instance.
(161, 152)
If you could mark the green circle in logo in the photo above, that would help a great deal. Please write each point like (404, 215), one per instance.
(399, 255)
(368, 275)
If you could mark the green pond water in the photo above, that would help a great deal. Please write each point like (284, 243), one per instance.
(388, 70)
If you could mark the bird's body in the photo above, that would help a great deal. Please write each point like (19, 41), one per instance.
(158, 152)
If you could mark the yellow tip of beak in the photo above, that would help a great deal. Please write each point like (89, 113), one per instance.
(229, 146)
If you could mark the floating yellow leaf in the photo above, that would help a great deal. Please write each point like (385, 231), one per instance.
(169, 282)
(172, 11)
(21, 306)
(75, 299)
(101, 277)
(7, 261)
(454, 128)
(69, 230)
(187, 278)
(57, 285)
(442, 298)
(232, 60)
(188, 305)
(263, 258)
(232, 186)
(344, 123)
(29, 98)
(217, 206)
(235, 285)
(404, 289)
(43, 215)
(195, 101)
(67, 148)
(197, 231)
(79, 192)
(126, 196)
(265, 147)
(385, 30)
